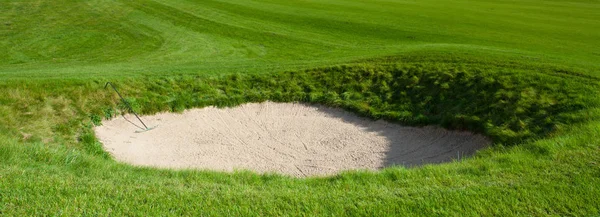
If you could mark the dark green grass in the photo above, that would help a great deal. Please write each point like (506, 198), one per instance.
(523, 73)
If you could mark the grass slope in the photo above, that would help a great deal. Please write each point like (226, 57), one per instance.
(524, 73)
(115, 38)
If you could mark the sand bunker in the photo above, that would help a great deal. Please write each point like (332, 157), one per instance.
(294, 139)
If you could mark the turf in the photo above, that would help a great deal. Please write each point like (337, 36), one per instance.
(128, 38)
(525, 73)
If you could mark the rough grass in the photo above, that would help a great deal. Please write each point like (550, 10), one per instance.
(537, 166)
(524, 73)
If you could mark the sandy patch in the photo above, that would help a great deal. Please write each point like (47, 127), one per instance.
(294, 139)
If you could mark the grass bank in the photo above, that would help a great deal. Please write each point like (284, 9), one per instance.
(542, 127)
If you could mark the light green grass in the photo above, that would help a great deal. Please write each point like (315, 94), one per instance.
(117, 38)
(525, 73)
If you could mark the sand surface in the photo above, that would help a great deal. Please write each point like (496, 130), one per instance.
(294, 139)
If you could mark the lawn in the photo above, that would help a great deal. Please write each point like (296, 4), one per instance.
(524, 73)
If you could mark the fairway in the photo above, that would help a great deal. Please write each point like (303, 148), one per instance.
(523, 76)
(61, 39)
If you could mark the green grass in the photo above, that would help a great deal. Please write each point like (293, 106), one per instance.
(118, 38)
(526, 74)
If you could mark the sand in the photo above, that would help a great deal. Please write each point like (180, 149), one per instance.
(299, 140)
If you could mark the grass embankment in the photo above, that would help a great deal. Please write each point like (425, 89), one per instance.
(524, 73)
(547, 164)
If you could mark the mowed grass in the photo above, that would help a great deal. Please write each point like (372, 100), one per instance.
(129, 38)
(525, 73)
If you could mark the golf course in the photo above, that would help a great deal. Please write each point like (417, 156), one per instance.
(299, 108)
